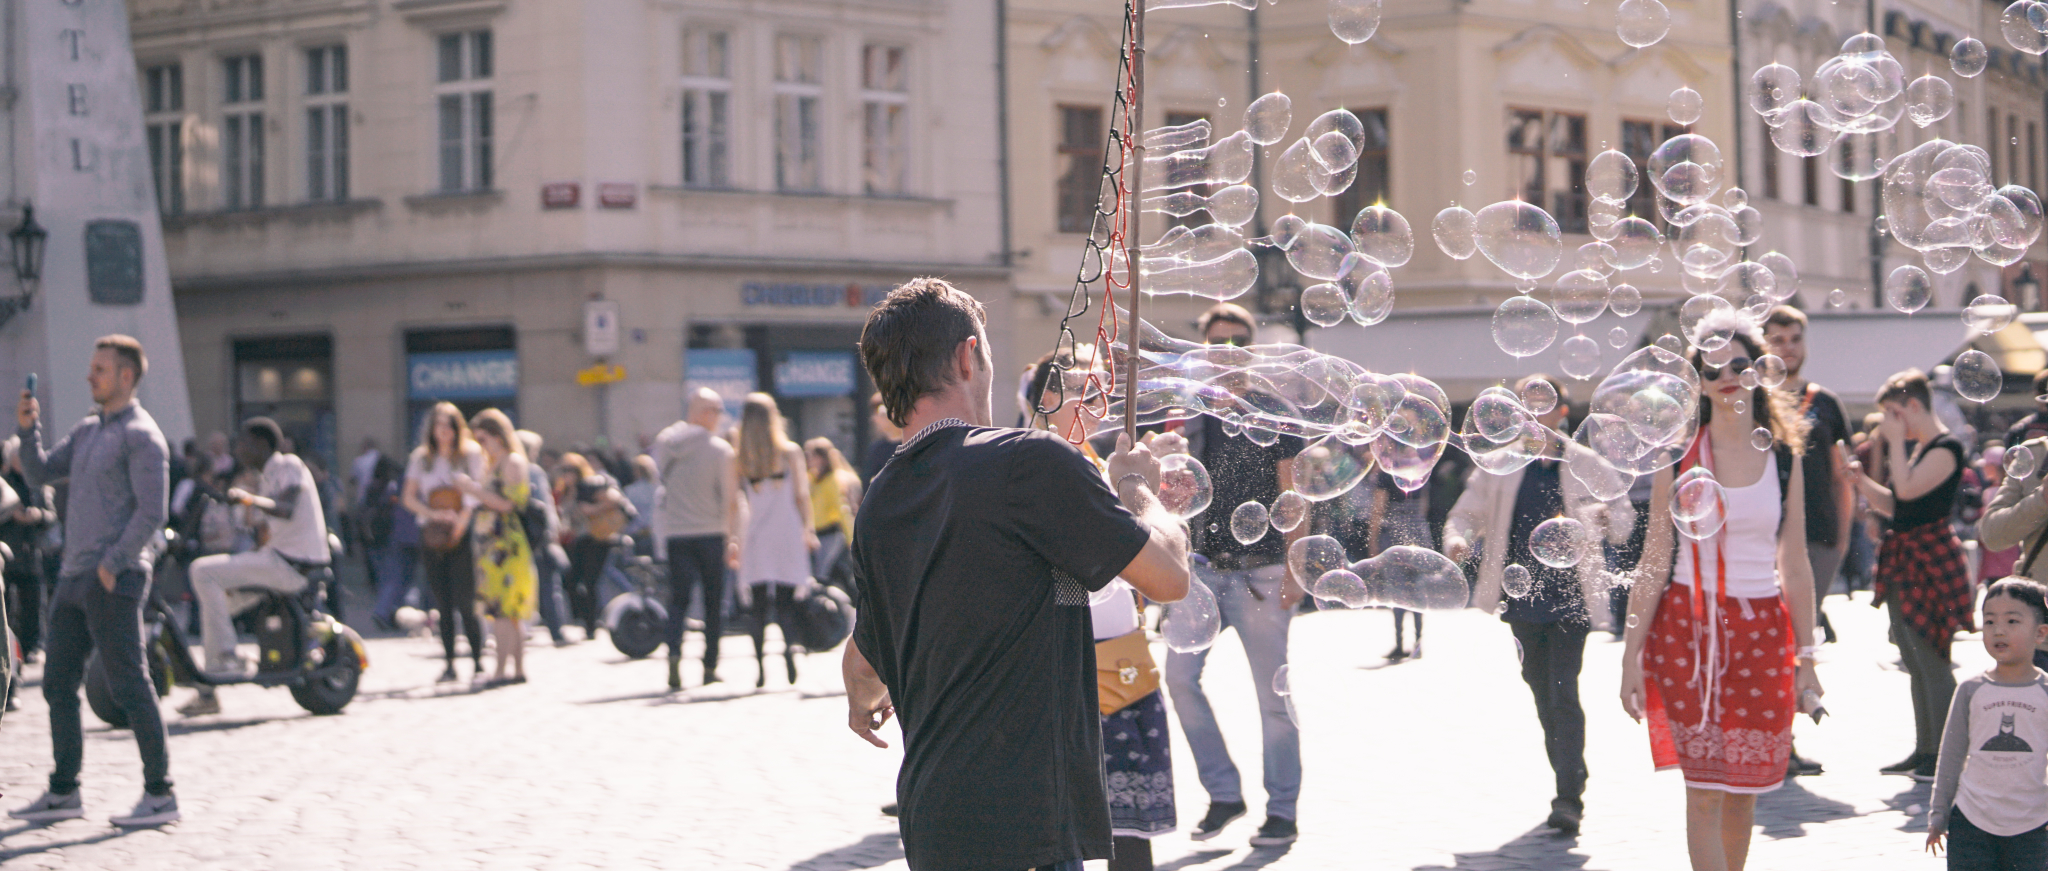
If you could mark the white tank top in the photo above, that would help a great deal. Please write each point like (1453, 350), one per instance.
(1749, 541)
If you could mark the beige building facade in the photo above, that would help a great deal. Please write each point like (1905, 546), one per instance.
(372, 205)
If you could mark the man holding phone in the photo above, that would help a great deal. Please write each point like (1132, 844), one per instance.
(120, 471)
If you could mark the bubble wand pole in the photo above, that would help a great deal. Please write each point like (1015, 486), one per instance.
(1136, 170)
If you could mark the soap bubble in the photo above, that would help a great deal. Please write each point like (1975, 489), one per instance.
(1293, 173)
(1354, 21)
(1633, 621)
(1611, 175)
(1708, 321)
(1747, 379)
(1968, 57)
(1496, 414)
(1521, 239)
(1908, 289)
(1324, 304)
(2017, 25)
(1686, 169)
(1313, 556)
(1685, 106)
(2020, 461)
(1249, 522)
(1635, 243)
(1341, 586)
(1641, 23)
(1414, 578)
(1734, 198)
(1281, 685)
(1785, 275)
(1770, 370)
(1319, 252)
(1539, 397)
(1232, 206)
(1372, 295)
(1192, 623)
(1618, 337)
(1837, 299)
(1329, 467)
(1559, 542)
(1771, 89)
(1333, 151)
(1929, 99)
(1579, 357)
(1383, 236)
(1471, 177)
(1184, 486)
(1454, 230)
(1698, 505)
(1625, 300)
(1227, 161)
(1289, 511)
(1803, 130)
(1579, 296)
(1266, 120)
(1515, 581)
(1523, 327)
(1761, 438)
(1977, 376)
(1989, 314)
(1193, 134)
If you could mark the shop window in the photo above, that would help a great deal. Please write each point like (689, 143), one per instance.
(1547, 154)
(475, 368)
(464, 110)
(163, 106)
(707, 108)
(1079, 157)
(290, 379)
(241, 132)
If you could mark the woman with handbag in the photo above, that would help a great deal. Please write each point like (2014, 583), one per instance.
(1719, 645)
(445, 454)
(510, 587)
(597, 514)
(835, 497)
(775, 560)
(1137, 756)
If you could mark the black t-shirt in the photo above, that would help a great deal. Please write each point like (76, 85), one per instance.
(1240, 471)
(1936, 504)
(1553, 593)
(975, 551)
(1828, 426)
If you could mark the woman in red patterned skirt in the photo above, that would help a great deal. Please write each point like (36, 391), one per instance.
(1921, 575)
(1718, 656)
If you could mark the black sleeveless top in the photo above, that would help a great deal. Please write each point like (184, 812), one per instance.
(1937, 504)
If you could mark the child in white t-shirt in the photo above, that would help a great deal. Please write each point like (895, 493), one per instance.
(1991, 781)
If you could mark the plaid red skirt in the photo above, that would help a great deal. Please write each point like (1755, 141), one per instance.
(1923, 567)
(1742, 740)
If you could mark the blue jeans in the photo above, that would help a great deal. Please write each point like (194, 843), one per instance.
(1261, 625)
(1973, 849)
(394, 568)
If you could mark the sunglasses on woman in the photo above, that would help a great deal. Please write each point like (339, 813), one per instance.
(1735, 366)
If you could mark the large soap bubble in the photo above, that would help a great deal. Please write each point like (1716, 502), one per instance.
(1699, 507)
(1968, 57)
(1414, 578)
(1383, 236)
(1516, 582)
(1354, 21)
(1989, 314)
(1559, 542)
(1455, 230)
(1310, 556)
(1977, 376)
(1289, 511)
(1908, 289)
(2020, 461)
(1929, 99)
(1249, 522)
(1266, 120)
(1228, 161)
(1523, 327)
(1192, 623)
(1684, 106)
(1642, 23)
(1184, 486)
(1521, 239)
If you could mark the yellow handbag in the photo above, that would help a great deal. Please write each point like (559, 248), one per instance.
(1124, 671)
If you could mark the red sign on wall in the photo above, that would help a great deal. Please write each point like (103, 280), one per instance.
(617, 195)
(560, 195)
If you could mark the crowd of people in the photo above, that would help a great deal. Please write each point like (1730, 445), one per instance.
(973, 550)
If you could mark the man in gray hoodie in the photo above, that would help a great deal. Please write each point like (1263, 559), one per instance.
(698, 515)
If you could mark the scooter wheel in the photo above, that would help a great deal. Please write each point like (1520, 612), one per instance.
(332, 686)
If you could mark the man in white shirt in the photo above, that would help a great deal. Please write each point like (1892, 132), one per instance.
(289, 508)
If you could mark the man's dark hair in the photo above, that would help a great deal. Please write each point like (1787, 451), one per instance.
(2041, 382)
(1786, 316)
(265, 430)
(908, 342)
(2027, 592)
(1910, 384)
(1227, 312)
(128, 351)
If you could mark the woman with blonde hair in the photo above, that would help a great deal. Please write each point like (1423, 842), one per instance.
(596, 513)
(509, 585)
(835, 499)
(446, 453)
(775, 560)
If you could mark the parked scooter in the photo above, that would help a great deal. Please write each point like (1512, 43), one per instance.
(299, 646)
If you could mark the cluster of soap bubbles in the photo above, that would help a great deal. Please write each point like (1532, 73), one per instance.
(1353, 21)
(2025, 25)
(1403, 576)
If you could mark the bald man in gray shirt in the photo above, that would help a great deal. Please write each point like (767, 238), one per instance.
(699, 514)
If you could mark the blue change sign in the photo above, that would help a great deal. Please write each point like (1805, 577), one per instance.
(462, 375)
(803, 374)
(729, 372)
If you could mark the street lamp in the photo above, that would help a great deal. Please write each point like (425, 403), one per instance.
(2025, 287)
(28, 242)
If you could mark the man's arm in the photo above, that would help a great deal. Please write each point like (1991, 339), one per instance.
(149, 475)
(1845, 493)
(867, 699)
(735, 509)
(2018, 509)
(40, 466)
(1160, 570)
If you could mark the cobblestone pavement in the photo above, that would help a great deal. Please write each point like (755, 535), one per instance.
(1434, 763)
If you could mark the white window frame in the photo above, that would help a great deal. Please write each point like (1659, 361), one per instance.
(463, 161)
(327, 122)
(799, 114)
(163, 106)
(242, 146)
(706, 119)
(885, 158)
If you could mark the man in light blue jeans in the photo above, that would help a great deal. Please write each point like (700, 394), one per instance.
(1251, 601)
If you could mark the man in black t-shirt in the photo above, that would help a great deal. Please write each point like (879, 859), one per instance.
(1256, 597)
(976, 551)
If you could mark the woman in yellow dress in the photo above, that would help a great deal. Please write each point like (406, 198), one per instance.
(508, 583)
